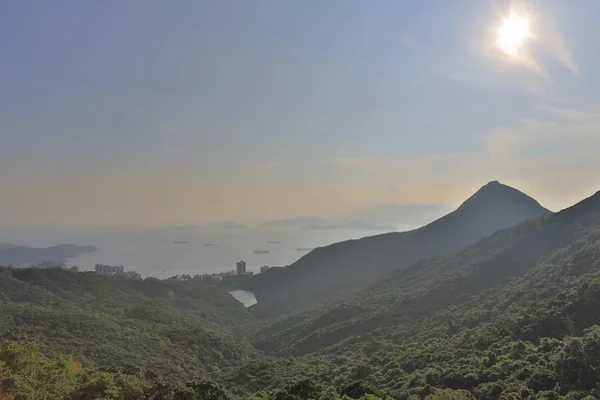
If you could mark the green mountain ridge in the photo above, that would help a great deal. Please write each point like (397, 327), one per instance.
(343, 268)
(512, 315)
(457, 276)
(181, 329)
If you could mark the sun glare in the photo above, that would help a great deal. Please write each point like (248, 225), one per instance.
(511, 34)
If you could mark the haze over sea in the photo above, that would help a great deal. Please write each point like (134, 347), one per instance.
(151, 251)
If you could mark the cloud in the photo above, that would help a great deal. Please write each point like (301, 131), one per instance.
(553, 47)
(526, 60)
(567, 113)
(293, 222)
(568, 142)
(536, 123)
(394, 163)
(558, 48)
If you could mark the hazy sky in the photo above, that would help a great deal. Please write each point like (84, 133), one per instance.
(153, 111)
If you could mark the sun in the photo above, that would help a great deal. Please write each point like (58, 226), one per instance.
(512, 33)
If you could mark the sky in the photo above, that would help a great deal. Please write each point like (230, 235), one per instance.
(158, 112)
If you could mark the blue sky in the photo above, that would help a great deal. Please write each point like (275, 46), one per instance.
(148, 111)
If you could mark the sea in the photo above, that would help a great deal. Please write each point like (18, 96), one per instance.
(152, 251)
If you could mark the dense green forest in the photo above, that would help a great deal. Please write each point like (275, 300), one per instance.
(515, 315)
(182, 329)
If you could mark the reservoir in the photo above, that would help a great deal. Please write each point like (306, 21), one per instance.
(245, 297)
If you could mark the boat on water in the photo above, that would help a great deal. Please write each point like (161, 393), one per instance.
(274, 242)
(305, 248)
(209, 244)
(261, 251)
(181, 242)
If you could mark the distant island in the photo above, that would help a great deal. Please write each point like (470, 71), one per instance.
(5, 246)
(305, 248)
(297, 222)
(232, 225)
(186, 227)
(364, 225)
(19, 255)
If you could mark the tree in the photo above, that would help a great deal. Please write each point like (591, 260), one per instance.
(305, 389)
(202, 390)
(31, 375)
(450, 394)
(357, 390)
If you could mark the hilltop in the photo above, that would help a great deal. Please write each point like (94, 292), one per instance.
(343, 268)
(510, 316)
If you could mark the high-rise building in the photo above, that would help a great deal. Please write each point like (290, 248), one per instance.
(241, 267)
(264, 269)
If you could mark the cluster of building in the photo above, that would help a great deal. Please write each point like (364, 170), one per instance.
(101, 269)
(240, 274)
(116, 270)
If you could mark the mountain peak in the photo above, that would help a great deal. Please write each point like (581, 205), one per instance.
(495, 194)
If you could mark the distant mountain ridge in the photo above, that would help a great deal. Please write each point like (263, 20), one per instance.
(512, 316)
(16, 255)
(343, 268)
(355, 224)
(386, 217)
(546, 255)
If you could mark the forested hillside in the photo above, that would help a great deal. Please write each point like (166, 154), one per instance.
(438, 283)
(179, 328)
(343, 268)
(513, 315)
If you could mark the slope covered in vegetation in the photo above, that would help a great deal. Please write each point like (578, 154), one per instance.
(179, 328)
(512, 316)
(344, 268)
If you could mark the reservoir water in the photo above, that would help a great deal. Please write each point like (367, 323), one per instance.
(245, 297)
